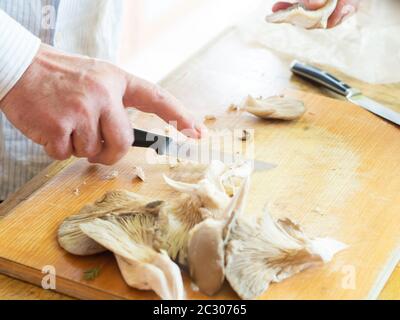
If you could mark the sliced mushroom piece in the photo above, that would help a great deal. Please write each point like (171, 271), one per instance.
(262, 252)
(298, 15)
(206, 246)
(130, 238)
(139, 174)
(73, 240)
(206, 256)
(278, 107)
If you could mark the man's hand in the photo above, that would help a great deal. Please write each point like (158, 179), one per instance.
(344, 9)
(74, 105)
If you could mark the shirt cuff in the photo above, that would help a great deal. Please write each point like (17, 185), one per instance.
(18, 47)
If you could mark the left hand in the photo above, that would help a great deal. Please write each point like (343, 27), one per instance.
(344, 9)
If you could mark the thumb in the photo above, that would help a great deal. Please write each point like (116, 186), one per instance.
(313, 4)
(308, 4)
(151, 98)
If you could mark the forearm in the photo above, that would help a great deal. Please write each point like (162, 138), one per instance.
(18, 47)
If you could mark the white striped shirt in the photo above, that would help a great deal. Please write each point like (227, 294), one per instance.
(89, 27)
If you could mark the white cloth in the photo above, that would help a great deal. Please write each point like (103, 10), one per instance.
(88, 27)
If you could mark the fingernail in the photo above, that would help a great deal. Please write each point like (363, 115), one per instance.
(348, 10)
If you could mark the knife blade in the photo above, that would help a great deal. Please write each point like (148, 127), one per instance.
(164, 145)
(353, 95)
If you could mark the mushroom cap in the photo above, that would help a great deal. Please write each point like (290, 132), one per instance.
(74, 241)
(206, 256)
(280, 108)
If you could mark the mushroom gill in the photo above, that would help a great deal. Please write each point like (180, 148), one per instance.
(147, 235)
(201, 228)
(208, 196)
(264, 251)
(130, 237)
(73, 240)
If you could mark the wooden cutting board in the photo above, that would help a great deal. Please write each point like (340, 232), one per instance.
(338, 176)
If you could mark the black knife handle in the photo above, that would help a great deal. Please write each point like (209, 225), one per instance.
(321, 77)
(144, 139)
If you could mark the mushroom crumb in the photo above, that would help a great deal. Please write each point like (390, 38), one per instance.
(168, 129)
(139, 174)
(245, 136)
(194, 287)
(233, 108)
(112, 176)
(210, 118)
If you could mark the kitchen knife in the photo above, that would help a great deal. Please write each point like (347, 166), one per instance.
(166, 146)
(353, 95)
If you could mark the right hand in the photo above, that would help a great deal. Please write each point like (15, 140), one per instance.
(344, 9)
(74, 105)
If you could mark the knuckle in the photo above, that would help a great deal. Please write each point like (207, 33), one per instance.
(158, 93)
(58, 152)
(99, 87)
(80, 107)
(58, 129)
(91, 151)
(125, 141)
(109, 162)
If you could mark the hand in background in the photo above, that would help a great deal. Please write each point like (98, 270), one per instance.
(344, 9)
(74, 105)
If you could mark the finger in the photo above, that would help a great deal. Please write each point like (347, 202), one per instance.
(151, 98)
(313, 4)
(345, 9)
(87, 140)
(281, 6)
(60, 148)
(117, 134)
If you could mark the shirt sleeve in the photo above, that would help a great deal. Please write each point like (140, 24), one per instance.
(18, 48)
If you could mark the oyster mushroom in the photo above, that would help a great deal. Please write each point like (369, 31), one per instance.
(202, 229)
(278, 107)
(147, 235)
(214, 188)
(298, 15)
(73, 240)
(206, 246)
(130, 237)
(207, 196)
(262, 252)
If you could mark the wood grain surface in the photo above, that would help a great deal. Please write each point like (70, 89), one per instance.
(336, 175)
